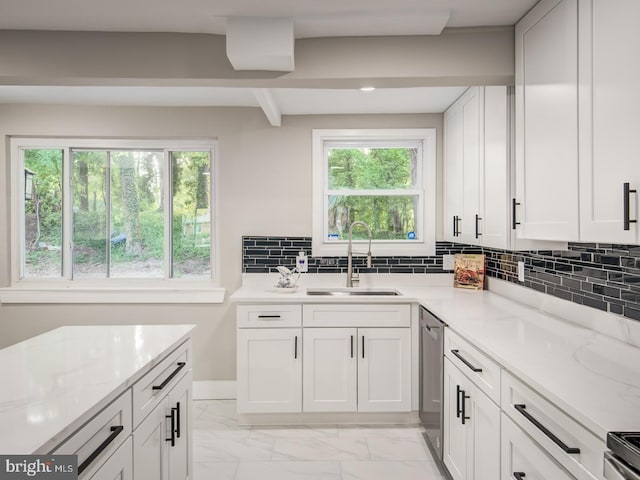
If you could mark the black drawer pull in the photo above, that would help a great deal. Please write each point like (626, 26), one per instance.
(168, 379)
(363, 346)
(523, 410)
(627, 191)
(519, 475)
(268, 316)
(295, 347)
(465, 361)
(115, 431)
(351, 346)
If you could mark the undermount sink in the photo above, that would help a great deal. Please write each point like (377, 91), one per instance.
(338, 292)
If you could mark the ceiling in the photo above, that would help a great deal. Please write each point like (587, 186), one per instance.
(311, 18)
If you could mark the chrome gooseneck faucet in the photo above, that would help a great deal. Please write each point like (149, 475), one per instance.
(353, 279)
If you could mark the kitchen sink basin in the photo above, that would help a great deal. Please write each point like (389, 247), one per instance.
(341, 292)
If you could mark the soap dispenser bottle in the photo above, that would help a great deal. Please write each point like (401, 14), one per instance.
(301, 262)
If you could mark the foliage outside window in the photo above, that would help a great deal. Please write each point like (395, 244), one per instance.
(115, 209)
(385, 178)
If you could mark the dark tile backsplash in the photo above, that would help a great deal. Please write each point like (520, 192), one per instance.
(602, 276)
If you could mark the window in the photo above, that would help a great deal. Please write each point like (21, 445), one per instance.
(107, 209)
(384, 178)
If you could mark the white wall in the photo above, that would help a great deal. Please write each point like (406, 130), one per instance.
(264, 189)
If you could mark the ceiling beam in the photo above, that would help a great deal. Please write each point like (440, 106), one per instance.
(268, 105)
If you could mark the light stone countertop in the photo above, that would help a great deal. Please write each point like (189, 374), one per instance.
(53, 383)
(591, 376)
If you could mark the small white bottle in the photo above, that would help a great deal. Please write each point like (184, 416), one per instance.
(301, 262)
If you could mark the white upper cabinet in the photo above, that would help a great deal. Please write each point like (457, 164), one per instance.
(547, 122)
(609, 119)
(453, 171)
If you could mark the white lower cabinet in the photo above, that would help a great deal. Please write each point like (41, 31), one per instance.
(523, 459)
(472, 428)
(119, 466)
(357, 369)
(269, 370)
(161, 443)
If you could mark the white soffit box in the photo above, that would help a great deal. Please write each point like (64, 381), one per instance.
(260, 43)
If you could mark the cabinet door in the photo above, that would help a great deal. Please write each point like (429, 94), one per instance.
(484, 424)
(547, 121)
(453, 170)
(150, 444)
(471, 165)
(456, 439)
(180, 453)
(494, 226)
(269, 370)
(522, 455)
(329, 377)
(119, 466)
(384, 370)
(609, 157)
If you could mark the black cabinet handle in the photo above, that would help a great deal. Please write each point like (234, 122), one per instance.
(463, 413)
(465, 361)
(477, 220)
(519, 475)
(627, 191)
(168, 379)
(523, 410)
(458, 410)
(173, 427)
(514, 204)
(454, 226)
(115, 431)
(268, 316)
(295, 347)
(362, 346)
(178, 419)
(351, 346)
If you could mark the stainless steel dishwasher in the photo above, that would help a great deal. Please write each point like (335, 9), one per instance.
(431, 370)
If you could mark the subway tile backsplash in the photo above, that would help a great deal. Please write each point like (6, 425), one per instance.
(602, 276)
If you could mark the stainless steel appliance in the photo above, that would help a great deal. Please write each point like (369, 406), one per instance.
(431, 369)
(623, 461)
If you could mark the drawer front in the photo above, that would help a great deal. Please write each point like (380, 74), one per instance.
(361, 315)
(269, 316)
(568, 442)
(480, 368)
(119, 466)
(523, 459)
(111, 427)
(150, 389)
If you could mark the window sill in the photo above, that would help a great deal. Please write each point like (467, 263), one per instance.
(56, 294)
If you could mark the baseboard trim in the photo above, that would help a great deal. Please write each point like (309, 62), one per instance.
(214, 390)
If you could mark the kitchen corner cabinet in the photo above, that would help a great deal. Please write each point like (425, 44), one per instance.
(547, 122)
(609, 120)
(472, 428)
(357, 369)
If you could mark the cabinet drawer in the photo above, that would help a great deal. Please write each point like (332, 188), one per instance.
(522, 455)
(119, 466)
(111, 427)
(544, 421)
(481, 369)
(261, 316)
(150, 389)
(361, 315)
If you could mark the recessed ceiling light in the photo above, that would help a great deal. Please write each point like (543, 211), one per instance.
(367, 89)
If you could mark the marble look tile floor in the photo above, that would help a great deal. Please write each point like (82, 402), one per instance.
(224, 450)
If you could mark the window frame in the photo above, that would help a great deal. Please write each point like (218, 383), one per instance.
(67, 145)
(425, 188)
